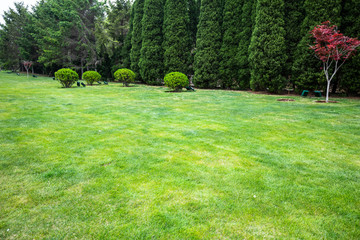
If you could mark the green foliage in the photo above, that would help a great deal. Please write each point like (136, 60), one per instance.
(208, 44)
(177, 41)
(247, 26)
(350, 26)
(136, 38)
(231, 26)
(91, 76)
(127, 44)
(176, 81)
(16, 42)
(66, 77)
(267, 48)
(294, 15)
(306, 69)
(115, 68)
(152, 53)
(126, 76)
(194, 12)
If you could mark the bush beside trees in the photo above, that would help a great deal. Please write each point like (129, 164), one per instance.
(66, 77)
(91, 76)
(176, 81)
(126, 76)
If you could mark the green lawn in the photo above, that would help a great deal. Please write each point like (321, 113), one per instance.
(108, 162)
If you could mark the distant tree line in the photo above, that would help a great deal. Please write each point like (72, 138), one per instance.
(228, 44)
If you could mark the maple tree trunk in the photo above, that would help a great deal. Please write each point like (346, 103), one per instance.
(327, 90)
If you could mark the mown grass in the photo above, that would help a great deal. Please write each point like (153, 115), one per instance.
(108, 162)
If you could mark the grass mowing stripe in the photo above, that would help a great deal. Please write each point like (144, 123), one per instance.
(140, 162)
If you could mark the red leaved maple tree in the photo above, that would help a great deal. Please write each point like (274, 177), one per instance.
(27, 65)
(333, 49)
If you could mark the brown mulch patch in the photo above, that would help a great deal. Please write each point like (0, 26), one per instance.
(285, 100)
(323, 101)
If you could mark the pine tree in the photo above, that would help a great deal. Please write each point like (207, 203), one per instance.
(208, 43)
(306, 69)
(127, 44)
(151, 61)
(349, 75)
(177, 41)
(247, 26)
(136, 38)
(267, 48)
(232, 31)
(14, 40)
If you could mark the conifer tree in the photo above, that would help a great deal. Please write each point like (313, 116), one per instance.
(306, 69)
(136, 37)
(208, 43)
(127, 44)
(350, 26)
(247, 25)
(177, 40)
(232, 31)
(294, 15)
(194, 11)
(151, 61)
(267, 48)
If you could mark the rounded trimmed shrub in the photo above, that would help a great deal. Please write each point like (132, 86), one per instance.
(66, 77)
(91, 76)
(176, 81)
(125, 76)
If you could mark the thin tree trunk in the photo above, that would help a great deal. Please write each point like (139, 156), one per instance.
(82, 68)
(327, 91)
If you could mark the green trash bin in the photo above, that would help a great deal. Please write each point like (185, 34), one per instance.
(305, 93)
(317, 93)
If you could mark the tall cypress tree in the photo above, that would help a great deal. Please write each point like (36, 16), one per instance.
(247, 26)
(231, 24)
(127, 44)
(267, 48)
(208, 43)
(194, 12)
(350, 72)
(151, 60)
(294, 15)
(306, 69)
(136, 38)
(177, 39)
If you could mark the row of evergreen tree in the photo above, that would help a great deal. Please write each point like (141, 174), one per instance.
(239, 44)
(230, 44)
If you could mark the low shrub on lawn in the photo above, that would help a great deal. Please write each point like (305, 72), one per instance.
(126, 76)
(91, 76)
(66, 77)
(176, 81)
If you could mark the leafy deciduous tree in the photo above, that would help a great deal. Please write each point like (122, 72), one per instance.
(333, 49)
